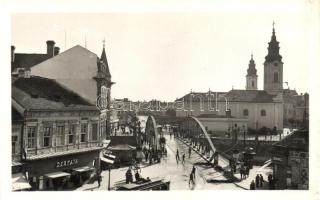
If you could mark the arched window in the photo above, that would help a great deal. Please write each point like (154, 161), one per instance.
(263, 113)
(245, 112)
(252, 83)
(275, 77)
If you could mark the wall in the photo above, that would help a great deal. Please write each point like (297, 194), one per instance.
(38, 119)
(274, 112)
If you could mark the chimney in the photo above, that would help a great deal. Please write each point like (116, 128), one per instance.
(56, 51)
(12, 53)
(50, 48)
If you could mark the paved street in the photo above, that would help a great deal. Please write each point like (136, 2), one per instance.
(178, 174)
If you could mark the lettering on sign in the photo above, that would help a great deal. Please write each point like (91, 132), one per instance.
(66, 163)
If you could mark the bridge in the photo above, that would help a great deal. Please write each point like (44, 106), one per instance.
(188, 129)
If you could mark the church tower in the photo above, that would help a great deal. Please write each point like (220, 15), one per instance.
(273, 67)
(252, 77)
(104, 84)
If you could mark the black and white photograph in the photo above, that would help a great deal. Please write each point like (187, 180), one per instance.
(195, 98)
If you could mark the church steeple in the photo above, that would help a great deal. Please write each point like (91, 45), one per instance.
(273, 48)
(252, 67)
(273, 66)
(104, 60)
(252, 78)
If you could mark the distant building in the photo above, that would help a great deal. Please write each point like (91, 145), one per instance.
(271, 107)
(55, 133)
(290, 158)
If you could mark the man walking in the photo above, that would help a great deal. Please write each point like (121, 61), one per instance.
(189, 151)
(193, 172)
(183, 156)
(177, 156)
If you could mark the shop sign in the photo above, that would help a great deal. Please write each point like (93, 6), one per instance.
(66, 163)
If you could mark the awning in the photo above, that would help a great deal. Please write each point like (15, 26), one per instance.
(106, 160)
(57, 174)
(83, 169)
(19, 182)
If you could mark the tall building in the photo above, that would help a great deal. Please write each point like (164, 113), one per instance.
(252, 77)
(273, 67)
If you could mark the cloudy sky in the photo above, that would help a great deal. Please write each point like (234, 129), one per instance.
(164, 55)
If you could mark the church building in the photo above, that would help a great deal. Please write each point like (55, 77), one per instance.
(262, 108)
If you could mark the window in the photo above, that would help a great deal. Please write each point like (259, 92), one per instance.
(275, 77)
(14, 144)
(245, 112)
(252, 83)
(94, 131)
(60, 135)
(263, 113)
(84, 131)
(31, 137)
(47, 136)
(72, 132)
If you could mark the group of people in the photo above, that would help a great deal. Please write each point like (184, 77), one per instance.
(244, 172)
(152, 155)
(258, 182)
(137, 176)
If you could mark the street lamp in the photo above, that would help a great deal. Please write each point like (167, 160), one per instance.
(244, 136)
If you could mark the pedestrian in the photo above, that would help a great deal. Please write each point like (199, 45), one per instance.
(189, 151)
(193, 172)
(242, 172)
(191, 179)
(183, 156)
(247, 171)
(261, 180)
(252, 185)
(129, 176)
(177, 156)
(170, 135)
(257, 181)
(270, 181)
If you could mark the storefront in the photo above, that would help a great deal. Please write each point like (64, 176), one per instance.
(67, 170)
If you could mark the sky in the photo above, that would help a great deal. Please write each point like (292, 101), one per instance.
(165, 55)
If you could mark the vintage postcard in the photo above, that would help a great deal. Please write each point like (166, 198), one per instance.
(201, 98)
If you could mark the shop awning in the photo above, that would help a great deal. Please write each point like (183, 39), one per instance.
(106, 160)
(83, 169)
(57, 174)
(19, 182)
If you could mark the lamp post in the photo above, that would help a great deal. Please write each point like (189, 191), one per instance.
(244, 136)
(109, 178)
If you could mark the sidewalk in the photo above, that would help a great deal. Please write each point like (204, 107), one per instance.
(245, 183)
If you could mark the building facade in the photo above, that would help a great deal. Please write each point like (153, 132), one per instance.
(290, 158)
(59, 135)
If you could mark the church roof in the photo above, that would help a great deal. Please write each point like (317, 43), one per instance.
(257, 96)
(273, 49)
(252, 68)
(37, 93)
(254, 96)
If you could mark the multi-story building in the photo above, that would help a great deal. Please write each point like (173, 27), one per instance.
(56, 133)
